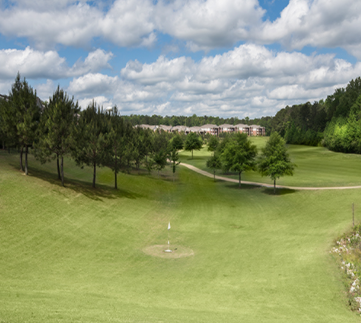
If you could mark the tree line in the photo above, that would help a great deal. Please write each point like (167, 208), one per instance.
(94, 137)
(334, 123)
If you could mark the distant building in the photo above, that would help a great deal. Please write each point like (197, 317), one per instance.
(228, 128)
(209, 128)
(180, 129)
(253, 130)
(242, 128)
(146, 126)
(165, 128)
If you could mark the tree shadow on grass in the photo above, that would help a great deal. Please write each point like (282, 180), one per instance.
(98, 193)
(279, 191)
(243, 186)
(265, 190)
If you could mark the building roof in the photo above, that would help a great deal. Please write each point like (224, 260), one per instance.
(164, 127)
(208, 126)
(180, 128)
(225, 125)
(194, 129)
(241, 125)
(146, 126)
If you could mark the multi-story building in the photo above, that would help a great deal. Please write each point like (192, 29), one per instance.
(225, 128)
(209, 128)
(252, 130)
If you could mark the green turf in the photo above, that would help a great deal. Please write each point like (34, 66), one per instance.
(74, 254)
(316, 166)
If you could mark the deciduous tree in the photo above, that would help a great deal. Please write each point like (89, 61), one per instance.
(274, 160)
(214, 163)
(213, 143)
(173, 157)
(239, 155)
(193, 142)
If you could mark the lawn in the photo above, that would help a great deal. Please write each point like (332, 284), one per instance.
(75, 254)
(316, 166)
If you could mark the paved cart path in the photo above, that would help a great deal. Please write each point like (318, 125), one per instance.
(222, 178)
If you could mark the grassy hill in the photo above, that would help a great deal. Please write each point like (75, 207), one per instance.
(75, 254)
(317, 166)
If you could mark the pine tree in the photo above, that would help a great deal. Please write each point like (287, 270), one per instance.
(22, 117)
(115, 142)
(89, 135)
(54, 133)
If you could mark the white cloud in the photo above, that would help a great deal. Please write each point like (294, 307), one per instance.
(201, 24)
(162, 70)
(319, 23)
(92, 84)
(31, 64)
(71, 26)
(73, 23)
(247, 80)
(129, 23)
(38, 64)
(208, 24)
(99, 100)
(94, 62)
(45, 90)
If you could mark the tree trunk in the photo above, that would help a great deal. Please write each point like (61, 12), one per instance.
(3, 145)
(239, 179)
(26, 160)
(21, 159)
(62, 171)
(274, 186)
(94, 174)
(57, 164)
(116, 173)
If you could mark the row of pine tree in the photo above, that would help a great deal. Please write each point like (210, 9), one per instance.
(92, 137)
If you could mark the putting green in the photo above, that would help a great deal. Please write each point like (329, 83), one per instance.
(176, 251)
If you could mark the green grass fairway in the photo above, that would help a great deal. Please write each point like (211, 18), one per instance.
(316, 166)
(75, 254)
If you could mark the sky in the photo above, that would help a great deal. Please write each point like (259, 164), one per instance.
(227, 58)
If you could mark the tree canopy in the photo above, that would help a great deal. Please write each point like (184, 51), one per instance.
(239, 155)
(274, 160)
(193, 142)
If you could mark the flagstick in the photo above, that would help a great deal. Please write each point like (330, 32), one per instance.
(168, 250)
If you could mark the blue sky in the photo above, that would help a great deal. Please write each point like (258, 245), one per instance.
(209, 57)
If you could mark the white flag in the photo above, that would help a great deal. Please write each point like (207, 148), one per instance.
(168, 225)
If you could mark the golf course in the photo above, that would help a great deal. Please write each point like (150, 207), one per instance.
(78, 254)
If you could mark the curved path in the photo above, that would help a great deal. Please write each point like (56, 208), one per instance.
(202, 172)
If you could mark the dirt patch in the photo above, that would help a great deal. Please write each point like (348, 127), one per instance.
(177, 251)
